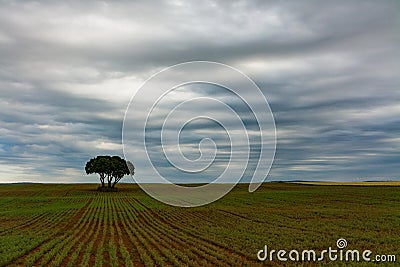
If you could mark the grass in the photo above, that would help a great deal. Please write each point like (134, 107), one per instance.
(75, 225)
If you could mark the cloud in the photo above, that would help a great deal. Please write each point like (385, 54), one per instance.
(329, 71)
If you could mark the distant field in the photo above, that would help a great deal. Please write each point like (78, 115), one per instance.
(389, 183)
(74, 225)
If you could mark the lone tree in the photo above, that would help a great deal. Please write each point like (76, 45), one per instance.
(110, 169)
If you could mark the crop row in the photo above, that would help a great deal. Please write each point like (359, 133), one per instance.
(118, 230)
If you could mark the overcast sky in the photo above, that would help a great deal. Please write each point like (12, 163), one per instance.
(330, 71)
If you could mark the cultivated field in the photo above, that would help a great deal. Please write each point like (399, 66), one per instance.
(74, 225)
(386, 183)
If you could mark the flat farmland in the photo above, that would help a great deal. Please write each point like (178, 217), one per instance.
(75, 225)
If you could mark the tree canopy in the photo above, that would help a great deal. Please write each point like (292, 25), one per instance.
(111, 169)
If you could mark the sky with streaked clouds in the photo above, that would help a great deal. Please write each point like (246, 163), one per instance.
(329, 70)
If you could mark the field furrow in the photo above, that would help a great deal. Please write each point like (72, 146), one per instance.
(148, 246)
(55, 225)
(211, 247)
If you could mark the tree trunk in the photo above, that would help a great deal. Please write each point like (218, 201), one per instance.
(102, 180)
(109, 179)
(116, 180)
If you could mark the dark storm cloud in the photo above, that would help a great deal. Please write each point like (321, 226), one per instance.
(329, 70)
(48, 131)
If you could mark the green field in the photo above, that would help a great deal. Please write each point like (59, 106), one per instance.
(74, 225)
